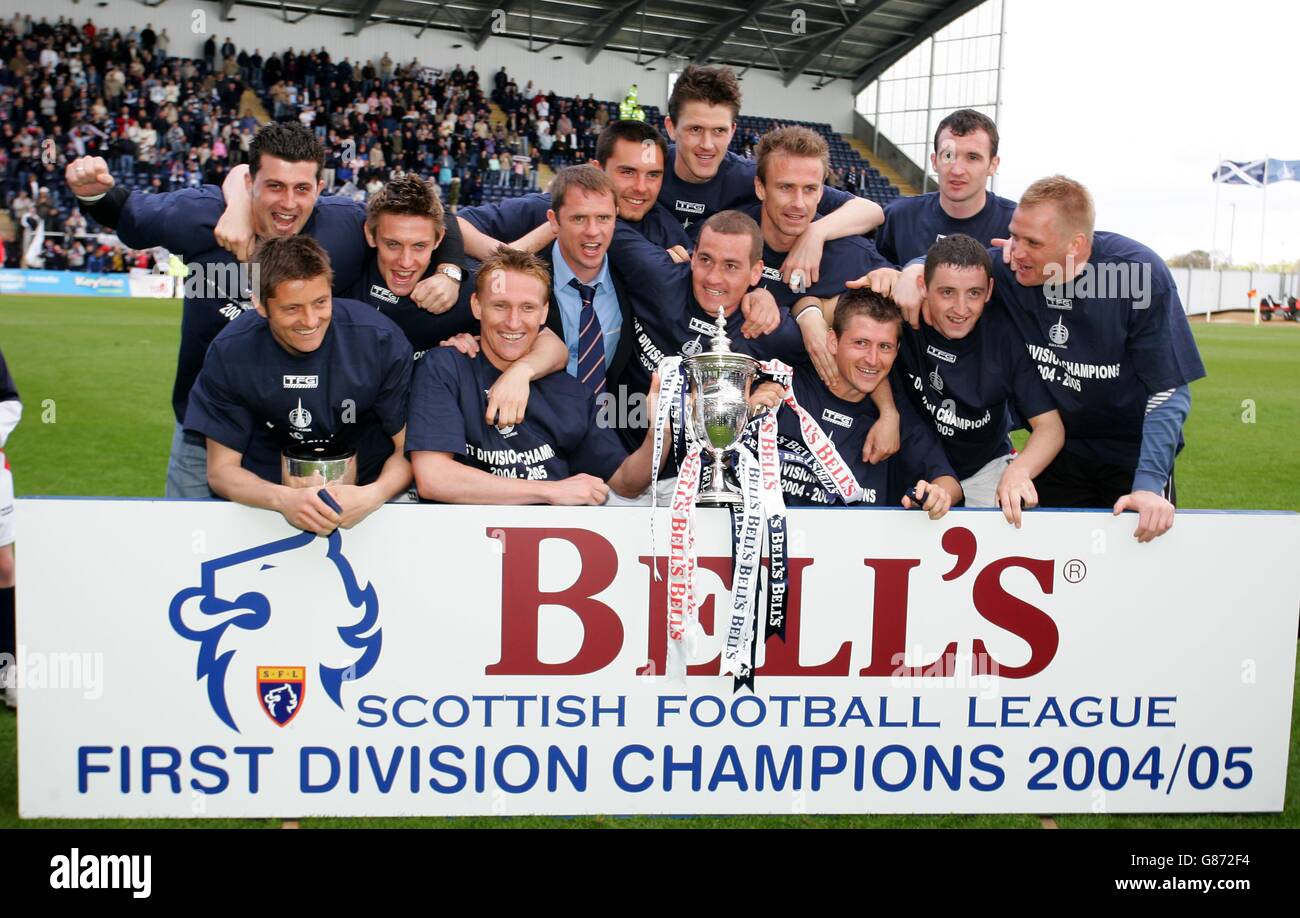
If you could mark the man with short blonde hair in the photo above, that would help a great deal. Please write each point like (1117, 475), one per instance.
(560, 453)
(1102, 318)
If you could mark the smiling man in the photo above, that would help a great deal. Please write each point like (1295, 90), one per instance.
(1102, 319)
(286, 167)
(704, 178)
(864, 339)
(304, 369)
(675, 305)
(559, 454)
(963, 369)
(404, 226)
(590, 308)
(631, 153)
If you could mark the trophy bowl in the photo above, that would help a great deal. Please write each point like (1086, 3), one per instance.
(308, 465)
(719, 411)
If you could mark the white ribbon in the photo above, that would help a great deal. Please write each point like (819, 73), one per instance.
(683, 619)
(671, 380)
(828, 465)
(740, 629)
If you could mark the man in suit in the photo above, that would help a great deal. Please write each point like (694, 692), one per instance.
(592, 312)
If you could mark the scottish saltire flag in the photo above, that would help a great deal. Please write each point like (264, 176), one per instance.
(1255, 172)
(1250, 173)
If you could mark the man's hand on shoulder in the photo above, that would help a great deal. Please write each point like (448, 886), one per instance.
(466, 343)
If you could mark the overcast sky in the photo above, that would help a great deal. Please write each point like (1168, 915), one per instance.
(1138, 98)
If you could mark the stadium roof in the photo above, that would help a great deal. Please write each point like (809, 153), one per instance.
(827, 39)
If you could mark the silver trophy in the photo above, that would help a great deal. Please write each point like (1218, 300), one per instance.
(317, 464)
(719, 407)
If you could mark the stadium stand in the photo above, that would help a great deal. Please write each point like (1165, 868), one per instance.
(163, 122)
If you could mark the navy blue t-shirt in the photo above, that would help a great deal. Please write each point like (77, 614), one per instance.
(732, 188)
(914, 224)
(1103, 354)
(183, 222)
(843, 260)
(256, 398)
(666, 319)
(559, 437)
(422, 328)
(846, 424)
(963, 386)
(514, 218)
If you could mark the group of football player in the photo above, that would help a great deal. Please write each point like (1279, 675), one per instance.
(507, 354)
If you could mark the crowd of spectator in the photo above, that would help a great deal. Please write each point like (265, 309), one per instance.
(164, 122)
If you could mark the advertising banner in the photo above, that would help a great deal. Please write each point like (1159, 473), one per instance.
(64, 283)
(198, 658)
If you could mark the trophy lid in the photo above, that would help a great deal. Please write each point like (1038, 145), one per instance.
(318, 452)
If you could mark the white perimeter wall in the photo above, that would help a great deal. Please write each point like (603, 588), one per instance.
(608, 76)
(1202, 290)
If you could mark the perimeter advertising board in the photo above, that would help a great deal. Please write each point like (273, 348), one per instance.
(188, 658)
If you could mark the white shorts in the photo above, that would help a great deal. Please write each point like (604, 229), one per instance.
(666, 488)
(981, 489)
(6, 503)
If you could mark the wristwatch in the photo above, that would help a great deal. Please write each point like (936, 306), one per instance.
(451, 271)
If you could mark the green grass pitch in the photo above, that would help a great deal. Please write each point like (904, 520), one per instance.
(96, 374)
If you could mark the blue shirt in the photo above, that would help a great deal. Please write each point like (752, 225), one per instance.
(846, 424)
(962, 387)
(843, 260)
(914, 224)
(1103, 353)
(731, 188)
(569, 302)
(514, 218)
(559, 437)
(256, 398)
(183, 222)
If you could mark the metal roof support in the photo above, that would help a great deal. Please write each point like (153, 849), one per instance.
(615, 25)
(362, 17)
(800, 65)
(315, 9)
(718, 34)
(484, 31)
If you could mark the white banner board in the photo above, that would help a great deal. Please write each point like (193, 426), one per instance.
(183, 658)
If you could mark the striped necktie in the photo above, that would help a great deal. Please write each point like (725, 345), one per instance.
(591, 342)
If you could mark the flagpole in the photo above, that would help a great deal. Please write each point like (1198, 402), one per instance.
(1263, 218)
(1263, 225)
(1214, 235)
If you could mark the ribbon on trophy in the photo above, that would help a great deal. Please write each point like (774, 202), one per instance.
(683, 614)
(740, 647)
(827, 464)
(672, 385)
(769, 463)
(761, 511)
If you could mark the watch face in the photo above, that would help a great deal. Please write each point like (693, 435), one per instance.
(452, 272)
